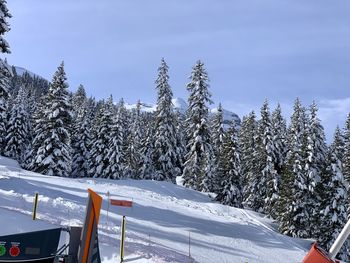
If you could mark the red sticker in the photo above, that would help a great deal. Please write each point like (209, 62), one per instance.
(14, 251)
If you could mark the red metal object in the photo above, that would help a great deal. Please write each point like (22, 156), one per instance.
(318, 255)
(121, 203)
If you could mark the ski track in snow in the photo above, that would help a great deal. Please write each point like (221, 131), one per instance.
(158, 225)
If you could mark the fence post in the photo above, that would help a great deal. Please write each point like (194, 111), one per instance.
(122, 240)
(107, 206)
(35, 206)
(189, 245)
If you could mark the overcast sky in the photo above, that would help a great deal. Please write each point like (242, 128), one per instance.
(252, 49)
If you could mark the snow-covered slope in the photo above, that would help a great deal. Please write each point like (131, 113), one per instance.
(158, 225)
(20, 71)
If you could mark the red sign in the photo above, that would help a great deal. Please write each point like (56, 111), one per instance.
(14, 251)
(121, 203)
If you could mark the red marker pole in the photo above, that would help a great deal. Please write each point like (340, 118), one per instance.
(124, 203)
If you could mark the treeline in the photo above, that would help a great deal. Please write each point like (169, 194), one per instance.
(288, 173)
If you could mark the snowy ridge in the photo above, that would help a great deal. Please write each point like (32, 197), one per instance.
(20, 71)
(181, 106)
(158, 225)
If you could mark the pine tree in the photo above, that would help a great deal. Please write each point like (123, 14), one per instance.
(334, 216)
(115, 153)
(180, 141)
(197, 170)
(230, 192)
(268, 179)
(53, 156)
(124, 118)
(294, 220)
(217, 141)
(218, 131)
(99, 158)
(18, 129)
(248, 137)
(79, 101)
(279, 131)
(133, 151)
(38, 134)
(314, 168)
(147, 148)
(81, 142)
(4, 26)
(165, 149)
(5, 74)
(346, 158)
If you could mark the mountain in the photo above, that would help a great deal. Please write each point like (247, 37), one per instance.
(166, 223)
(181, 106)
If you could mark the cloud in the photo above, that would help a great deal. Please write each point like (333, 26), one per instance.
(333, 113)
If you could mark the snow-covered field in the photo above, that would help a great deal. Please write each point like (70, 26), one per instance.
(158, 226)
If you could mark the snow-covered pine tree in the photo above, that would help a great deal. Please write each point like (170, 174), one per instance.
(5, 74)
(248, 146)
(316, 151)
(115, 153)
(180, 141)
(165, 156)
(229, 169)
(133, 156)
(217, 140)
(147, 148)
(197, 168)
(81, 142)
(79, 101)
(38, 134)
(334, 216)
(53, 156)
(268, 179)
(99, 158)
(4, 26)
(279, 131)
(346, 158)
(294, 217)
(124, 117)
(218, 131)
(17, 138)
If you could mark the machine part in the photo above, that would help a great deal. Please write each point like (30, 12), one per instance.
(339, 242)
(38, 246)
(89, 249)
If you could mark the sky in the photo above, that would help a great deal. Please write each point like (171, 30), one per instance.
(253, 50)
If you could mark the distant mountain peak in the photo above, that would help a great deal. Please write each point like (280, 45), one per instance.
(181, 106)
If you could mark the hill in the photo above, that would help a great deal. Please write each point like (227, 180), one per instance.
(158, 225)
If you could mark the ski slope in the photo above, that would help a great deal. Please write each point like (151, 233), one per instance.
(158, 225)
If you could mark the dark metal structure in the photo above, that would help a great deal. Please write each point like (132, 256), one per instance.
(43, 246)
(38, 246)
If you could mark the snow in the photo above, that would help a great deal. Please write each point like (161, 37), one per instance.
(158, 225)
